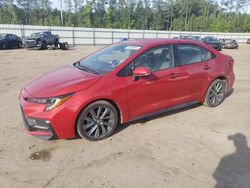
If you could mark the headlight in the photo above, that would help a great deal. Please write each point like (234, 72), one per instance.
(51, 103)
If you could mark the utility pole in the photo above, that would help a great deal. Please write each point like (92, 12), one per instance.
(61, 1)
(129, 16)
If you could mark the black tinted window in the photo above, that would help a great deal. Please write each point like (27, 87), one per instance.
(187, 54)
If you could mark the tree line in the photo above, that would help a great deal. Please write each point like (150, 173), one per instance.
(181, 15)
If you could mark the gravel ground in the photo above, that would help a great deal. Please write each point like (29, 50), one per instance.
(194, 147)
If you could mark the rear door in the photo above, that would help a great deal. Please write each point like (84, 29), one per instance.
(194, 65)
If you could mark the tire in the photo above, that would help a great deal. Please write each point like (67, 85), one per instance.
(44, 45)
(216, 93)
(56, 43)
(20, 45)
(97, 121)
(64, 46)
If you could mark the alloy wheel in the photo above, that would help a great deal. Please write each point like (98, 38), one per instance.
(217, 93)
(97, 121)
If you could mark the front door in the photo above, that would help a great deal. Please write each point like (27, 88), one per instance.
(156, 91)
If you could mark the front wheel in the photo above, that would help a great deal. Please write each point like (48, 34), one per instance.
(97, 121)
(44, 45)
(216, 93)
(20, 45)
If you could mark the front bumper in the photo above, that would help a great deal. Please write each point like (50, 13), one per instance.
(32, 44)
(57, 123)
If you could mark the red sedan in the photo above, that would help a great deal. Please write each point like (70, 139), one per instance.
(123, 82)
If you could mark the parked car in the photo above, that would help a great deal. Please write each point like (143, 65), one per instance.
(10, 41)
(230, 44)
(41, 40)
(124, 82)
(196, 38)
(213, 42)
(248, 41)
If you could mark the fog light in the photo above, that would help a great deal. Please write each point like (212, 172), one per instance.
(38, 124)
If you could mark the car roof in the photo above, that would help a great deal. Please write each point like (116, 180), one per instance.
(157, 42)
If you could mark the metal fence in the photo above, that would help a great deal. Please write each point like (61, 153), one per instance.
(96, 36)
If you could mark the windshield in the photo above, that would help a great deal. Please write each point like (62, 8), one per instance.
(2, 36)
(107, 59)
(37, 35)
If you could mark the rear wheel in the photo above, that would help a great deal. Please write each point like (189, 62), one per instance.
(97, 121)
(216, 93)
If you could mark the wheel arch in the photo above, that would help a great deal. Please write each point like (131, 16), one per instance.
(118, 109)
(221, 77)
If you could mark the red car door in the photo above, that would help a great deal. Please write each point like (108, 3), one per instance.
(156, 91)
(197, 64)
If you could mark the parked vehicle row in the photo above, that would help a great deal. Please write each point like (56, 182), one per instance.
(40, 40)
(216, 43)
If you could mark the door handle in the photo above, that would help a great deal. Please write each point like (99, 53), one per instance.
(173, 76)
(207, 67)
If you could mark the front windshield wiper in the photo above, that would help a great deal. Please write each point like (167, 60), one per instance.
(87, 69)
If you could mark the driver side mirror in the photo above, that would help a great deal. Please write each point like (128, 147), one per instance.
(141, 72)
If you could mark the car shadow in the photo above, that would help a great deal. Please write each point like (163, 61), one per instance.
(161, 114)
(233, 170)
(166, 112)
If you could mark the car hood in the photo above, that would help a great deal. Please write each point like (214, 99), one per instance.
(64, 80)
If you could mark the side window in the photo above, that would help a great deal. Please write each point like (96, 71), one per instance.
(45, 34)
(206, 55)
(155, 59)
(14, 37)
(8, 37)
(186, 54)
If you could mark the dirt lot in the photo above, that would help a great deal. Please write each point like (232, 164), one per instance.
(191, 148)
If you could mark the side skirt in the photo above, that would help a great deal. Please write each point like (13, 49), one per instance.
(170, 110)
